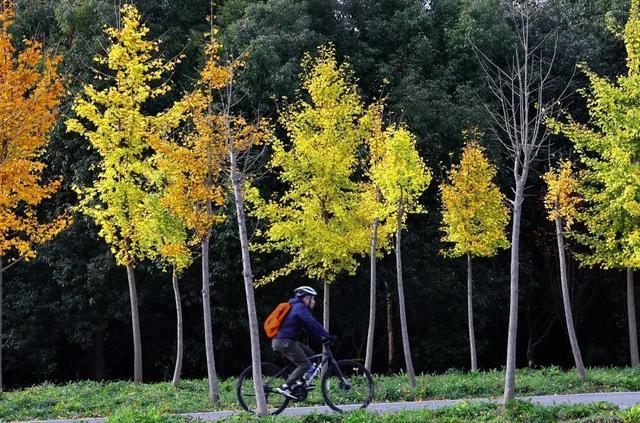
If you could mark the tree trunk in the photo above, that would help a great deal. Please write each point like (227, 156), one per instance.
(1, 333)
(568, 315)
(98, 355)
(208, 331)
(326, 302)
(179, 337)
(135, 323)
(472, 332)
(631, 311)
(237, 183)
(372, 297)
(403, 312)
(510, 371)
(391, 339)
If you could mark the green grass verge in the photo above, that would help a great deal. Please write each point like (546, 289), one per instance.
(123, 400)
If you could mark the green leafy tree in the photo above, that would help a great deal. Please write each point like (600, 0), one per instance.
(322, 219)
(401, 175)
(474, 217)
(561, 202)
(609, 151)
(116, 124)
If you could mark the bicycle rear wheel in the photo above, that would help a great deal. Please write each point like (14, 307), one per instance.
(348, 383)
(272, 377)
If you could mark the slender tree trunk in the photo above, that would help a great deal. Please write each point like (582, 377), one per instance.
(391, 339)
(403, 312)
(326, 300)
(98, 355)
(326, 303)
(566, 302)
(631, 311)
(179, 333)
(510, 371)
(135, 323)
(372, 297)
(472, 332)
(236, 181)
(1, 332)
(208, 330)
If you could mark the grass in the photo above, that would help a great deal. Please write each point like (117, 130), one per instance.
(125, 401)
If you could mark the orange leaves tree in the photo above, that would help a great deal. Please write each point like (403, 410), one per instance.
(30, 92)
(191, 167)
(221, 142)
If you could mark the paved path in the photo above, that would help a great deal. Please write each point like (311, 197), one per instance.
(621, 399)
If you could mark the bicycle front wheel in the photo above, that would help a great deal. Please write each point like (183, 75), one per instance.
(272, 377)
(348, 383)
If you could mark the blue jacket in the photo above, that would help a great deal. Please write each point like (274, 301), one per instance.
(300, 317)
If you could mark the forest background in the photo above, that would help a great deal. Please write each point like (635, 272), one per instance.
(66, 313)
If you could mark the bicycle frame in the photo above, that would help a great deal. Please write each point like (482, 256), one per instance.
(324, 358)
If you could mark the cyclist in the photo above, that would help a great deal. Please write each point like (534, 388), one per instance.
(286, 341)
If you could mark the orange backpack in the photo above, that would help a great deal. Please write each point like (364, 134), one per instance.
(273, 322)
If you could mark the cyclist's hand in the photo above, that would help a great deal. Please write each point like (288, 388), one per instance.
(330, 340)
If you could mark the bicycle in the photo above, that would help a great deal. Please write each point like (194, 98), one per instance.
(343, 382)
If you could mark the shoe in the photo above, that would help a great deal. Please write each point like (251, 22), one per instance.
(284, 390)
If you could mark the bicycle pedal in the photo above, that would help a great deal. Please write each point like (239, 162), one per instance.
(310, 387)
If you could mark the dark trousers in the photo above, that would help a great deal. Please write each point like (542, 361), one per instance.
(297, 353)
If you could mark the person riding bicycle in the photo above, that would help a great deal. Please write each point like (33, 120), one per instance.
(286, 341)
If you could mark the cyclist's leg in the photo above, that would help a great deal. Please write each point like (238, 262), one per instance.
(308, 351)
(296, 354)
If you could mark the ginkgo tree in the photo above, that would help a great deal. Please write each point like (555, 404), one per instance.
(114, 121)
(561, 202)
(401, 176)
(322, 220)
(223, 141)
(610, 186)
(166, 241)
(192, 166)
(474, 217)
(382, 227)
(30, 93)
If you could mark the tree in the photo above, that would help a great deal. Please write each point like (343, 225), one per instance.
(228, 137)
(322, 220)
(164, 237)
(561, 203)
(383, 227)
(120, 129)
(402, 177)
(193, 167)
(474, 216)
(525, 96)
(31, 91)
(610, 186)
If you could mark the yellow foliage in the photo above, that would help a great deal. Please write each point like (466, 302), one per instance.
(609, 151)
(30, 92)
(474, 214)
(123, 197)
(323, 220)
(561, 200)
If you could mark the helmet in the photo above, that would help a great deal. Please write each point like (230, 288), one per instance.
(304, 290)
